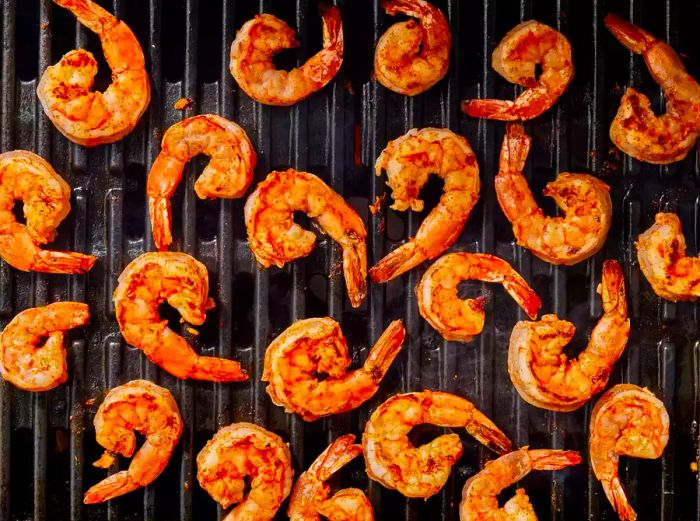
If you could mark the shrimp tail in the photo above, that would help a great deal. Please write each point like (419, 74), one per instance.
(554, 459)
(524, 295)
(217, 370)
(355, 272)
(336, 456)
(515, 149)
(111, 487)
(414, 8)
(612, 288)
(52, 261)
(332, 28)
(161, 219)
(502, 110)
(634, 38)
(486, 433)
(385, 350)
(399, 261)
(616, 494)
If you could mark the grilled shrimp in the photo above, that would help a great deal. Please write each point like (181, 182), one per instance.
(228, 174)
(626, 421)
(317, 345)
(26, 177)
(274, 237)
(31, 366)
(181, 281)
(412, 57)
(585, 201)
(662, 259)
(542, 373)
(264, 36)
(459, 319)
(422, 471)
(137, 406)
(636, 130)
(245, 451)
(527, 45)
(89, 117)
(480, 492)
(409, 160)
(310, 493)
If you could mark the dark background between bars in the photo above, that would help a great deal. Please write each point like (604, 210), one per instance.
(47, 440)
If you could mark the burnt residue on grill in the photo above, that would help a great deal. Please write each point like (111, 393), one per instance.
(47, 442)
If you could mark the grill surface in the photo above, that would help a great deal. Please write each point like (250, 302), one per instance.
(47, 440)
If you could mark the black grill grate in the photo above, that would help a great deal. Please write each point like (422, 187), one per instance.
(337, 134)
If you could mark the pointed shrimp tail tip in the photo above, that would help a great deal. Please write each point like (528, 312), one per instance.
(115, 485)
(398, 262)
(490, 109)
(612, 288)
(557, 459)
(64, 262)
(495, 440)
(386, 348)
(628, 34)
(616, 493)
(218, 370)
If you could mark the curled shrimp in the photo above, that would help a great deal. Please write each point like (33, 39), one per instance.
(240, 451)
(527, 45)
(310, 495)
(264, 36)
(181, 281)
(459, 319)
(422, 471)
(542, 373)
(274, 237)
(88, 117)
(636, 130)
(626, 421)
(409, 160)
(412, 57)
(480, 492)
(661, 253)
(228, 174)
(585, 201)
(31, 366)
(317, 345)
(137, 406)
(26, 177)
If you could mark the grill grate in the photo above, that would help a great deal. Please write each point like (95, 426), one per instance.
(337, 134)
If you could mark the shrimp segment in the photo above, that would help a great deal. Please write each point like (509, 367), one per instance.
(422, 471)
(585, 201)
(137, 406)
(661, 253)
(26, 177)
(264, 36)
(274, 237)
(626, 421)
(527, 45)
(244, 450)
(88, 117)
(317, 345)
(310, 493)
(636, 130)
(409, 161)
(542, 373)
(228, 174)
(181, 281)
(31, 366)
(479, 495)
(412, 57)
(457, 319)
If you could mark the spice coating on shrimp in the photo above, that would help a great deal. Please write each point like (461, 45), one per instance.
(183, 282)
(264, 36)
(89, 117)
(585, 201)
(227, 175)
(26, 177)
(137, 406)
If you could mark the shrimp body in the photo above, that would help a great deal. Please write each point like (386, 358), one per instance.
(31, 366)
(274, 237)
(479, 495)
(413, 56)
(422, 471)
(409, 161)
(240, 451)
(264, 36)
(84, 116)
(26, 177)
(459, 319)
(181, 281)
(527, 45)
(626, 421)
(228, 174)
(636, 130)
(317, 345)
(542, 373)
(661, 253)
(585, 201)
(310, 495)
(137, 406)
